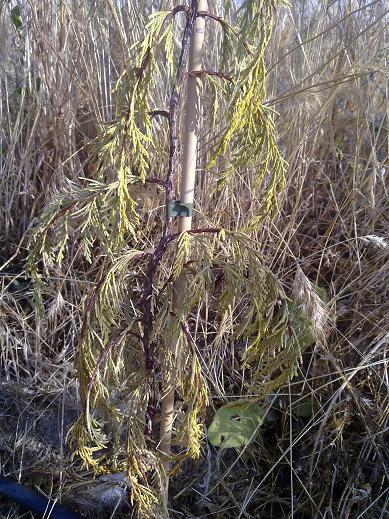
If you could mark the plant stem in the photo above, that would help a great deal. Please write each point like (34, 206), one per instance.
(173, 115)
(191, 133)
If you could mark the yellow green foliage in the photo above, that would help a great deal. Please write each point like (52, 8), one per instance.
(224, 273)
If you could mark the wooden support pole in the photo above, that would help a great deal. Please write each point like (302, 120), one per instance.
(190, 140)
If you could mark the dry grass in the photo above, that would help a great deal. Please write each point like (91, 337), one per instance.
(328, 80)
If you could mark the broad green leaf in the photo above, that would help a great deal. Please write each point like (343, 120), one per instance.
(16, 17)
(235, 425)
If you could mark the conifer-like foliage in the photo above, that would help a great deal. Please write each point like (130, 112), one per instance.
(133, 311)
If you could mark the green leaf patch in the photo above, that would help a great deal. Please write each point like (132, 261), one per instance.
(16, 17)
(235, 425)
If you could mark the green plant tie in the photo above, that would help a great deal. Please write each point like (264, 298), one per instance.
(178, 209)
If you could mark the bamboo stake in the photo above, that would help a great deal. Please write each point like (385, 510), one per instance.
(191, 133)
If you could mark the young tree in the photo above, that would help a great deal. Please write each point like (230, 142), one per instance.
(167, 296)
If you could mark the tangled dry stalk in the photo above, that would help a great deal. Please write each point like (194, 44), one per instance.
(328, 81)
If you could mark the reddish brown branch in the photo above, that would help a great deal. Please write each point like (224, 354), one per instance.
(208, 14)
(162, 113)
(153, 180)
(185, 329)
(205, 230)
(148, 344)
(202, 73)
(167, 236)
(222, 22)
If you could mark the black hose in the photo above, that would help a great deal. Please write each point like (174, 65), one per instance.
(34, 502)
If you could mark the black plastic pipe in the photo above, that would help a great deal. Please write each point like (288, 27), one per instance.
(34, 502)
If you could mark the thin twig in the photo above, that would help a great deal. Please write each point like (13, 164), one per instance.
(162, 113)
(202, 73)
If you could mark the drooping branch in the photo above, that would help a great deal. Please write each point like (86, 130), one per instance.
(104, 354)
(180, 8)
